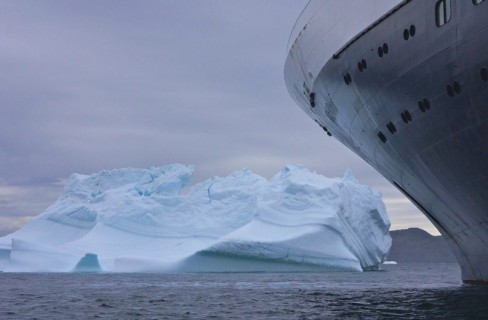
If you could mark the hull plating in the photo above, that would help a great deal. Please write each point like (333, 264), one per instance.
(411, 99)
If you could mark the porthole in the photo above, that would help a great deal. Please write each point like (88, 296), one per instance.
(442, 12)
(409, 32)
(412, 31)
(311, 99)
(391, 127)
(406, 34)
(484, 74)
(424, 105)
(453, 89)
(450, 91)
(360, 67)
(382, 50)
(457, 87)
(406, 116)
(347, 79)
(409, 116)
(421, 106)
(475, 2)
(382, 137)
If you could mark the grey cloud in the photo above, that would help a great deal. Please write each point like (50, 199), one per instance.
(92, 85)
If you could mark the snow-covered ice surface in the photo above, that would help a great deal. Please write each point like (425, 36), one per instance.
(137, 220)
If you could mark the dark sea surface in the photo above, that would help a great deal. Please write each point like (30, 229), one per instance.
(409, 291)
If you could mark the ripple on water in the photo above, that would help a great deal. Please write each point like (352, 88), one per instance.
(401, 292)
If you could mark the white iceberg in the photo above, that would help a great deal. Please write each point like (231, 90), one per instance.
(137, 220)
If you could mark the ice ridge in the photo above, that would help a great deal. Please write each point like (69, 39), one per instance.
(136, 220)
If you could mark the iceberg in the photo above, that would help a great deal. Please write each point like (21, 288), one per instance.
(138, 220)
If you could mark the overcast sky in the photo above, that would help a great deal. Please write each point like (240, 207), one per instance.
(92, 85)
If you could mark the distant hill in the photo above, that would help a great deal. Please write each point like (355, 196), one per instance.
(416, 245)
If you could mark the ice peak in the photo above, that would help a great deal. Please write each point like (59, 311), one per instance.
(349, 176)
(292, 168)
(166, 180)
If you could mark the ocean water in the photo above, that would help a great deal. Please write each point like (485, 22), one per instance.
(408, 291)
